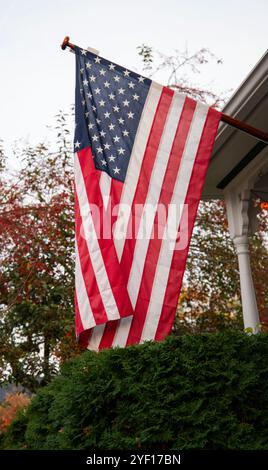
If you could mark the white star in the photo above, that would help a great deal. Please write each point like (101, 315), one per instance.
(81, 70)
(126, 73)
(121, 91)
(103, 162)
(97, 60)
(101, 102)
(111, 66)
(97, 91)
(95, 138)
(88, 65)
(121, 121)
(90, 126)
(116, 170)
(107, 146)
(102, 72)
(77, 144)
(81, 91)
(83, 103)
(131, 85)
(94, 108)
(111, 127)
(102, 133)
(98, 121)
(99, 150)
(130, 115)
(125, 102)
(111, 96)
(107, 115)
(84, 52)
(125, 133)
(85, 82)
(87, 114)
(106, 84)
(92, 78)
(116, 109)
(121, 151)
(116, 138)
(89, 95)
(141, 79)
(116, 78)
(111, 158)
(135, 97)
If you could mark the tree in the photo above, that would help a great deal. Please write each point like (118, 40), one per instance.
(37, 261)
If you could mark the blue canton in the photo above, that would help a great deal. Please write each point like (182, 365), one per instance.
(108, 104)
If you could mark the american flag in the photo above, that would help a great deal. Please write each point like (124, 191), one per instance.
(139, 146)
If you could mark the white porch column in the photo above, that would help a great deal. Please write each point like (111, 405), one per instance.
(239, 220)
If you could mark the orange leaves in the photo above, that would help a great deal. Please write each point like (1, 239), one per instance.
(10, 407)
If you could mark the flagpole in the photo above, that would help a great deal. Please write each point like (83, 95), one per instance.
(230, 121)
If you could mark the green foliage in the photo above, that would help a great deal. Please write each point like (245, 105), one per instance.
(207, 391)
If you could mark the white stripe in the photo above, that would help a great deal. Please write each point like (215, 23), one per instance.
(167, 247)
(154, 191)
(86, 314)
(105, 187)
(122, 331)
(96, 336)
(134, 166)
(93, 247)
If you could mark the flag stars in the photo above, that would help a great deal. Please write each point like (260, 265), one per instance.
(141, 79)
(121, 151)
(111, 158)
(97, 91)
(95, 138)
(102, 72)
(116, 139)
(116, 170)
(111, 127)
(131, 85)
(121, 121)
(116, 109)
(111, 96)
(121, 91)
(85, 82)
(125, 133)
(90, 126)
(101, 102)
(107, 84)
(89, 95)
(116, 78)
(98, 121)
(125, 103)
(112, 66)
(94, 108)
(135, 97)
(83, 103)
(102, 133)
(126, 73)
(107, 115)
(103, 162)
(77, 144)
(88, 65)
(100, 150)
(84, 52)
(130, 115)
(97, 60)
(92, 78)
(107, 146)
(82, 71)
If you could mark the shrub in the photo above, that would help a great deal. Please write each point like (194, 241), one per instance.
(207, 391)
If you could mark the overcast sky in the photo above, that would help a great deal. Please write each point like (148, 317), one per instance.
(37, 78)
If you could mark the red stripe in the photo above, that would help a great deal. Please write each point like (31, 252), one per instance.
(140, 195)
(118, 285)
(88, 274)
(165, 198)
(192, 200)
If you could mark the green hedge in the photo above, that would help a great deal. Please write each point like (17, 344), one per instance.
(208, 391)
